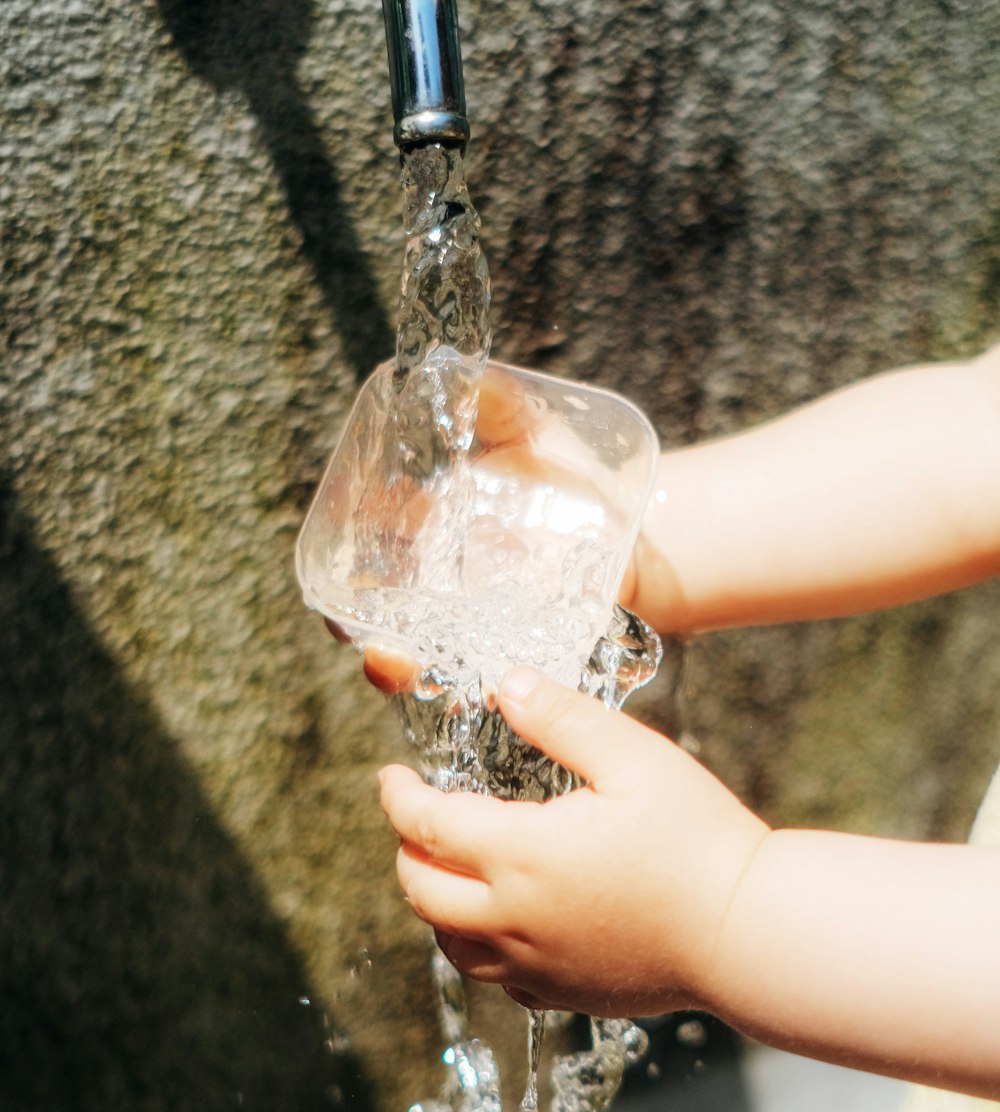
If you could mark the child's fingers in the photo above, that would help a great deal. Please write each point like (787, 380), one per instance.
(457, 830)
(337, 632)
(391, 672)
(573, 729)
(504, 414)
(473, 958)
(453, 902)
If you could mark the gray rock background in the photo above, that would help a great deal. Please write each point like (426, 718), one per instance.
(721, 209)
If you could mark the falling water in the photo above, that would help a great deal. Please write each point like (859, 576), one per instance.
(462, 742)
(442, 345)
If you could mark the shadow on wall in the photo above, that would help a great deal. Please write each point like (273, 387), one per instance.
(140, 966)
(255, 46)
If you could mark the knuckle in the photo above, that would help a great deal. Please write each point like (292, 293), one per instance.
(427, 834)
(412, 889)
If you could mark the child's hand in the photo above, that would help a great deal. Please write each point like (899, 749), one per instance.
(391, 672)
(607, 900)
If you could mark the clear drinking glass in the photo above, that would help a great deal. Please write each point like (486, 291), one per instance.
(513, 553)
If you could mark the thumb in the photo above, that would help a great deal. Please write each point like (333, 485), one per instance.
(578, 732)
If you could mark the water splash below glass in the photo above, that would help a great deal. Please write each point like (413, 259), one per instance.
(464, 744)
(589, 1080)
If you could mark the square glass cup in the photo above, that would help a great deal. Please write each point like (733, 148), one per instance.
(514, 553)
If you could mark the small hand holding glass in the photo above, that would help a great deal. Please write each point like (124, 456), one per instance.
(607, 900)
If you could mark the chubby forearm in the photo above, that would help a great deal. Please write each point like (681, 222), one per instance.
(870, 953)
(879, 494)
(878, 954)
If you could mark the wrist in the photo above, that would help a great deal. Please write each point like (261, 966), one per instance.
(730, 864)
(653, 591)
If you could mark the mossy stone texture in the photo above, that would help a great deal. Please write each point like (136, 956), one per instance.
(720, 209)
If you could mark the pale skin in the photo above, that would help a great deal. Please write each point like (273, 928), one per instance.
(657, 889)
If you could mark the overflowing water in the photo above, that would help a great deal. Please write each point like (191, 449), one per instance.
(464, 744)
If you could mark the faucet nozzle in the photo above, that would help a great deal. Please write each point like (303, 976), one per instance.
(425, 72)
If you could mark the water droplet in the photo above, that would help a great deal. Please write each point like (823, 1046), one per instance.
(689, 743)
(692, 1033)
(337, 1042)
(636, 1043)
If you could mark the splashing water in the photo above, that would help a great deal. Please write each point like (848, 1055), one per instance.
(463, 743)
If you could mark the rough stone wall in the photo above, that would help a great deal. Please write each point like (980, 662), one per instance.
(721, 209)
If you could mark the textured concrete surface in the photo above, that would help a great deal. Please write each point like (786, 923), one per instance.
(720, 208)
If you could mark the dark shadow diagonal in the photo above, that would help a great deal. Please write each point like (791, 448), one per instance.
(141, 969)
(254, 46)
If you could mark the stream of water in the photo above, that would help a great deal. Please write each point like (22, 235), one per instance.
(442, 348)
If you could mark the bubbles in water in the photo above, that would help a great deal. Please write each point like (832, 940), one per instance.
(465, 745)
(636, 1043)
(692, 1033)
(475, 1082)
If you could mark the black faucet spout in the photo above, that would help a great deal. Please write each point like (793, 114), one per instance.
(425, 72)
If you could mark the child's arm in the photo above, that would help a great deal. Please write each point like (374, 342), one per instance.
(879, 494)
(875, 495)
(654, 889)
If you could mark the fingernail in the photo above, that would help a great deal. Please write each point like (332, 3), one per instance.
(338, 633)
(518, 684)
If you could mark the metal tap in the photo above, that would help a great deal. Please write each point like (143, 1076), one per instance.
(425, 72)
